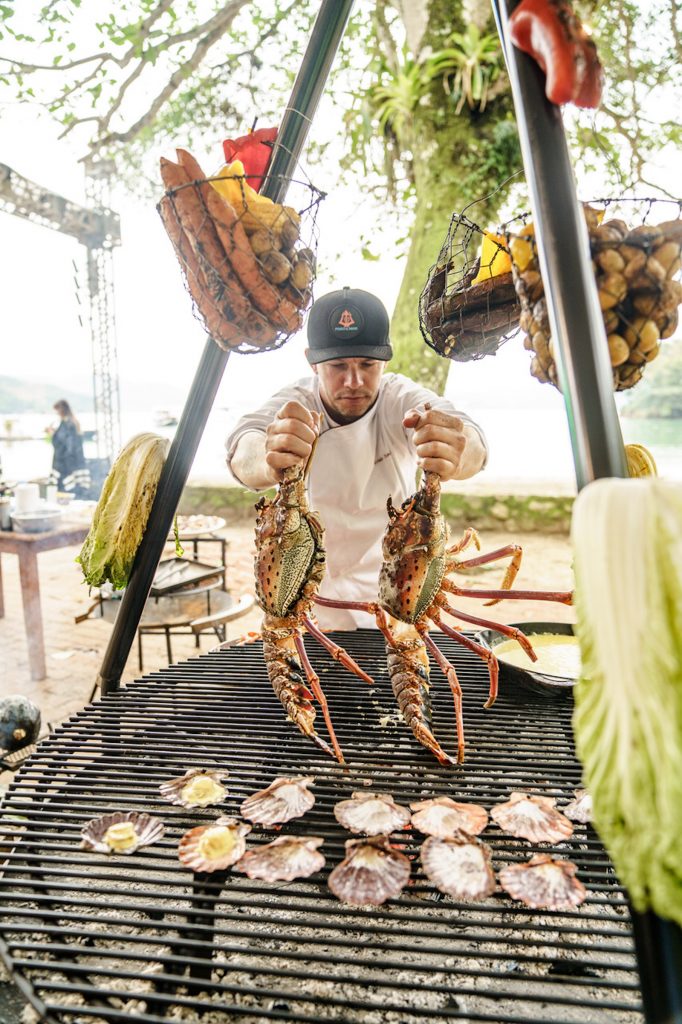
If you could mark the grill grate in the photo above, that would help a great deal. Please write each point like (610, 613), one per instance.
(91, 938)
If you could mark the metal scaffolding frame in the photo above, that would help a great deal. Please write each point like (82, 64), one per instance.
(98, 229)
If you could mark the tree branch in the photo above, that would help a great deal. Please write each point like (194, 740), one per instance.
(215, 28)
(22, 68)
(385, 38)
(675, 31)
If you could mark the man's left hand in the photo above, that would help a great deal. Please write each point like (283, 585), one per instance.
(445, 444)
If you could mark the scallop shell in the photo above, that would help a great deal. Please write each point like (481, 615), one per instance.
(284, 859)
(173, 790)
(459, 866)
(148, 830)
(443, 817)
(190, 854)
(372, 872)
(544, 884)
(283, 800)
(580, 809)
(371, 814)
(532, 817)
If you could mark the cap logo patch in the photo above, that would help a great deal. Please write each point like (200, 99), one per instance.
(346, 321)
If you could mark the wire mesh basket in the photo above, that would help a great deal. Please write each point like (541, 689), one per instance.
(249, 263)
(468, 307)
(635, 247)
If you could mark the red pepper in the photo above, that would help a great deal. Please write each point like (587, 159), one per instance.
(254, 150)
(553, 35)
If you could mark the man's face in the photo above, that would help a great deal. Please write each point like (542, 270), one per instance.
(349, 387)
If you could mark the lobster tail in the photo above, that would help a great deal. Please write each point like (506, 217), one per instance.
(408, 668)
(296, 684)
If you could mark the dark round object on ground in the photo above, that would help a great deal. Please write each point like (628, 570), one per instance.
(19, 723)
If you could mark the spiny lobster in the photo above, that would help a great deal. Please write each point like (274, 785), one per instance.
(414, 589)
(289, 567)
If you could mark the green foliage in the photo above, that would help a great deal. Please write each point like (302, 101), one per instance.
(659, 393)
(475, 58)
(141, 69)
(640, 46)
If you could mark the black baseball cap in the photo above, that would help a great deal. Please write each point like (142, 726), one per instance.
(348, 323)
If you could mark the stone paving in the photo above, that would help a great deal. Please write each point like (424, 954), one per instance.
(74, 651)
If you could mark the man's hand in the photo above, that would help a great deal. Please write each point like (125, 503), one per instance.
(445, 444)
(290, 437)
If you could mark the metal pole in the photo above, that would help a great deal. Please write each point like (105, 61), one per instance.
(324, 41)
(585, 377)
(563, 249)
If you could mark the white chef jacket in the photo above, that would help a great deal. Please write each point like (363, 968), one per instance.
(354, 470)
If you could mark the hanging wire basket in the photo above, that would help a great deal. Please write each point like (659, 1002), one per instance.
(468, 307)
(249, 264)
(635, 246)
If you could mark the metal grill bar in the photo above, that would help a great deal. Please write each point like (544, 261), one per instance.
(103, 939)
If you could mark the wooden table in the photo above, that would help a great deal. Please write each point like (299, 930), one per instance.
(27, 546)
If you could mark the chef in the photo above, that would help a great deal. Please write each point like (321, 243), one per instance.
(373, 429)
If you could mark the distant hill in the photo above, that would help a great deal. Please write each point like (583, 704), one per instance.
(33, 396)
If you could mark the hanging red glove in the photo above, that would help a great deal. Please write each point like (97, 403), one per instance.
(254, 150)
(553, 35)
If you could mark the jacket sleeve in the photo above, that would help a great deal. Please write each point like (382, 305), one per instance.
(261, 418)
(406, 395)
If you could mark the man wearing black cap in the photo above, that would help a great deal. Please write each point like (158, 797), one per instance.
(372, 429)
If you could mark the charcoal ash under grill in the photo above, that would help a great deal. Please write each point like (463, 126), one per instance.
(111, 937)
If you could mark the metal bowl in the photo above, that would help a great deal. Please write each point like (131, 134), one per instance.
(36, 522)
(538, 682)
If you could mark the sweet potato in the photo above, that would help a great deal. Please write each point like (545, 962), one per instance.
(230, 231)
(217, 279)
(223, 331)
(196, 220)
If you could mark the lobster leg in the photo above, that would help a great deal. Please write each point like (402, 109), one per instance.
(511, 573)
(510, 631)
(470, 536)
(314, 680)
(560, 596)
(451, 676)
(336, 652)
(408, 668)
(471, 645)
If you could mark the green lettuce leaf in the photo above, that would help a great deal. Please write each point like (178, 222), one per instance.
(627, 542)
(122, 511)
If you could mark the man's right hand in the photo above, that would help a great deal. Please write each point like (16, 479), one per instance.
(290, 438)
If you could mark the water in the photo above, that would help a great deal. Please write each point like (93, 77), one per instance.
(31, 458)
(528, 448)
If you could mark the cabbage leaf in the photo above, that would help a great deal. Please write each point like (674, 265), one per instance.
(627, 543)
(122, 511)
